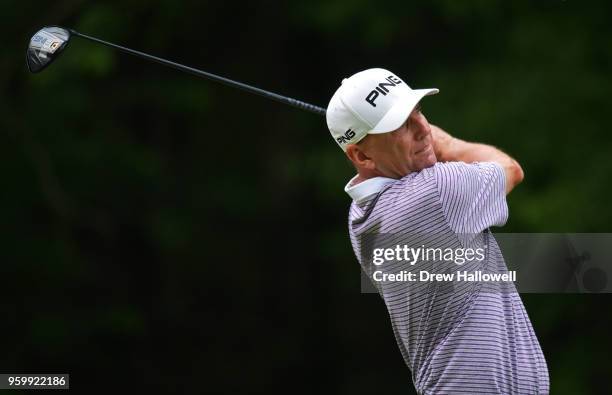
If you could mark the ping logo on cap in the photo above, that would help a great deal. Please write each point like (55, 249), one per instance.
(346, 137)
(390, 82)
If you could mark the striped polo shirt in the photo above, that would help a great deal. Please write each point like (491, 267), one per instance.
(476, 338)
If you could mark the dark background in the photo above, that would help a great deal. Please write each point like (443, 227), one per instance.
(168, 234)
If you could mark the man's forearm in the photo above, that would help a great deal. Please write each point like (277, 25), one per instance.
(449, 149)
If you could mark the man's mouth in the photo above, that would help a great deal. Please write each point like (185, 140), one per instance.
(424, 150)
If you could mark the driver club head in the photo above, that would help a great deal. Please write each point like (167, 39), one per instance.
(45, 46)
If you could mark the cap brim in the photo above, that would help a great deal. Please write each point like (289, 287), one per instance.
(399, 113)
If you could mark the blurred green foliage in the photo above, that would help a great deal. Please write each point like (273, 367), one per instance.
(168, 233)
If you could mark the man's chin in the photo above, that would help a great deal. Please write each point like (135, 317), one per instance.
(423, 162)
(428, 161)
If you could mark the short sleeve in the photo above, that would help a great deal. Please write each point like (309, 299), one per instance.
(473, 196)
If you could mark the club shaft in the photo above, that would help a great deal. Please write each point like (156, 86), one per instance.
(248, 88)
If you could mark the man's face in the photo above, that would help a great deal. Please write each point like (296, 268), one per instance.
(405, 150)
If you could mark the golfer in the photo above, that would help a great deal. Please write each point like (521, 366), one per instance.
(414, 178)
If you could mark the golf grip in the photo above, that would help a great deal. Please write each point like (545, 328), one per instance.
(305, 106)
(248, 88)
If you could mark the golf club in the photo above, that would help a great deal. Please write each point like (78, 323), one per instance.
(46, 45)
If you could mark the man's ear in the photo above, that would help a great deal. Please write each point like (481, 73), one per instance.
(359, 157)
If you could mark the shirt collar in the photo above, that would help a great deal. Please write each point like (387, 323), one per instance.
(366, 188)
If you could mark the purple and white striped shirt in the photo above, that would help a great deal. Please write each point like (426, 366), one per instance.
(478, 338)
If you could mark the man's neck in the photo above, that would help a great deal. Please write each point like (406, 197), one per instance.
(359, 179)
(363, 176)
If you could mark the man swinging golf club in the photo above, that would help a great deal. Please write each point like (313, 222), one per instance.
(414, 178)
(476, 339)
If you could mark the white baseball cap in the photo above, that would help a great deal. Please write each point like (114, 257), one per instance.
(372, 101)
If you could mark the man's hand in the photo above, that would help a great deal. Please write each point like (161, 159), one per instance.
(451, 149)
(442, 143)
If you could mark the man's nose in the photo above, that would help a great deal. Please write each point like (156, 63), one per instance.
(422, 126)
